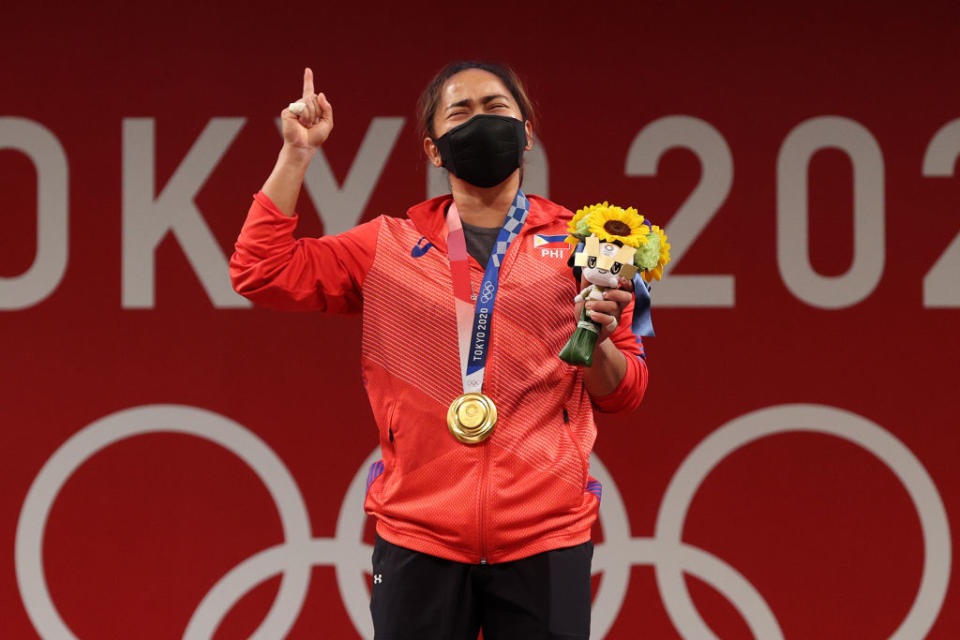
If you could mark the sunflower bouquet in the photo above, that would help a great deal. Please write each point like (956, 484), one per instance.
(612, 245)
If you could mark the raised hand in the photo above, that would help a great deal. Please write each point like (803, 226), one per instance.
(311, 123)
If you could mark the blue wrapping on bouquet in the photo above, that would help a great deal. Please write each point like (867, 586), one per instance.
(642, 323)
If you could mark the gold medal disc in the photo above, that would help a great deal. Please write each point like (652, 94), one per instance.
(471, 418)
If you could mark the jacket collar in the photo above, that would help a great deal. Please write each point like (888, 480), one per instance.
(429, 217)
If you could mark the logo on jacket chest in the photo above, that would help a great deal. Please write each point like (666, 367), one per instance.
(421, 247)
(551, 246)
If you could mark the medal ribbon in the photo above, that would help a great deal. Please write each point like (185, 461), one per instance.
(474, 320)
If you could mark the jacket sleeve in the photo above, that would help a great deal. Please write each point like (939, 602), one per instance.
(629, 393)
(273, 269)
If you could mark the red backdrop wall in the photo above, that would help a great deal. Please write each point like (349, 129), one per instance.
(792, 472)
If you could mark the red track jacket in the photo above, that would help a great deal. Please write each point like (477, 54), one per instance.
(524, 490)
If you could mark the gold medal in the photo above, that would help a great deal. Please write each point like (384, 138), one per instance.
(471, 418)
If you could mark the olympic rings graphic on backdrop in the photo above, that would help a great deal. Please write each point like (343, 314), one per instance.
(487, 294)
(350, 557)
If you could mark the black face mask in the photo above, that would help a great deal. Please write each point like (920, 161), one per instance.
(484, 150)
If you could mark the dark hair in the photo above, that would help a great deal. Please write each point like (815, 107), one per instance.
(430, 98)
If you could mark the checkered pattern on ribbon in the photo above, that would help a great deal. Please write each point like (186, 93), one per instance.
(511, 226)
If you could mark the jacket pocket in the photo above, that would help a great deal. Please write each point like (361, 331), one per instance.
(566, 417)
(388, 446)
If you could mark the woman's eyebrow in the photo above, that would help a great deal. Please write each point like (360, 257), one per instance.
(485, 99)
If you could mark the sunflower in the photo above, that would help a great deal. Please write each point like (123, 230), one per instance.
(610, 224)
(577, 227)
(657, 272)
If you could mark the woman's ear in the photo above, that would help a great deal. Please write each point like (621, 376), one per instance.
(529, 129)
(433, 154)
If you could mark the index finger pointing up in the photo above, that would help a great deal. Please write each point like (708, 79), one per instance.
(307, 83)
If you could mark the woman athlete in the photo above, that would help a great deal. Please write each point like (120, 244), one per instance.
(483, 499)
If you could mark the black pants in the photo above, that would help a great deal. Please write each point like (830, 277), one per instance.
(417, 596)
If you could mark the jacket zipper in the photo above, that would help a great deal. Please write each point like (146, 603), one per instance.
(482, 499)
(482, 506)
(482, 494)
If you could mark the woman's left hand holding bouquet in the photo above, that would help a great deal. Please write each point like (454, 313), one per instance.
(606, 312)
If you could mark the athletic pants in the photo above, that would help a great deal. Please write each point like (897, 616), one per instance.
(417, 596)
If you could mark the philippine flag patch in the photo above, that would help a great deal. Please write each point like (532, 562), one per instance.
(550, 242)
(550, 246)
